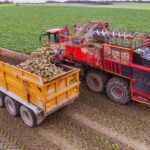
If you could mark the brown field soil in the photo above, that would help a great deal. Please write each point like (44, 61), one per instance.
(91, 123)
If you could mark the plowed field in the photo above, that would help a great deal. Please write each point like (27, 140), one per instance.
(92, 122)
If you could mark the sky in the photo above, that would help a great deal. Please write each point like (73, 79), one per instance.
(38, 1)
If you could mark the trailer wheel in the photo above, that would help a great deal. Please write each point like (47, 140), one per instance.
(96, 81)
(28, 116)
(118, 90)
(2, 102)
(12, 106)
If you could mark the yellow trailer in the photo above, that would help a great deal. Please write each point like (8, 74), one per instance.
(31, 96)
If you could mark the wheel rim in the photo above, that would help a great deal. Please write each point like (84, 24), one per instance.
(117, 92)
(26, 117)
(10, 107)
(94, 82)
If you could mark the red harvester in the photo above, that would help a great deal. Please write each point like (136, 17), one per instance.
(111, 60)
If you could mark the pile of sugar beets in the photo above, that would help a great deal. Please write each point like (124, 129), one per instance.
(39, 63)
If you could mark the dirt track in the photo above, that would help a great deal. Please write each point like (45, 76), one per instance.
(91, 123)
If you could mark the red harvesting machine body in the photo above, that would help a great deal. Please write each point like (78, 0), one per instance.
(118, 63)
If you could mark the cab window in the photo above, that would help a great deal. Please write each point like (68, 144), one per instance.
(53, 37)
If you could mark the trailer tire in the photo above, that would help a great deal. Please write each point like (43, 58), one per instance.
(118, 90)
(96, 81)
(28, 116)
(2, 101)
(12, 106)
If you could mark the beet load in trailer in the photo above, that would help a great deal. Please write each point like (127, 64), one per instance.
(32, 96)
(114, 61)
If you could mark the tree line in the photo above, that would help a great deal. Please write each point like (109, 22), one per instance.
(6, 2)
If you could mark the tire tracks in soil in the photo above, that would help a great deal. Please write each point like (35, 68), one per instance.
(69, 135)
(100, 129)
(129, 122)
(15, 133)
(92, 122)
(56, 139)
(57, 131)
(7, 141)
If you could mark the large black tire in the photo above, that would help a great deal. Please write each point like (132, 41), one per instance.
(96, 81)
(2, 102)
(28, 116)
(12, 106)
(118, 90)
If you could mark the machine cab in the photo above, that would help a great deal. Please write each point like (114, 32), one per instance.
(140, 83)
(58, 35)
(141, 56)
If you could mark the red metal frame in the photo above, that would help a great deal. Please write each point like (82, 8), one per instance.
(77, 54)
(107, 64)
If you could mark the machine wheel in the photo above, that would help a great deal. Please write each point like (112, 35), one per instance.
(96, 81)
(118, 90)
(12, 106)
(2, 102)
(28, 116)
